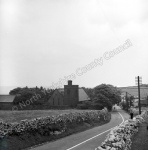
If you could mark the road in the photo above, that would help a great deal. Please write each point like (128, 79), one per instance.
(87, 140)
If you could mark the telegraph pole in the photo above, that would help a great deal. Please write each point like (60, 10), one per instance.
(126, 101)
(139, 95)
(139, 80)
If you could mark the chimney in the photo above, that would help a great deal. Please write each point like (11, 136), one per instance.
(69, 82)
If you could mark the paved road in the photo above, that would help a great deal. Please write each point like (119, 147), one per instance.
(87, 140)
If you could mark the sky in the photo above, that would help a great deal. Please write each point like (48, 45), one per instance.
(43, 42)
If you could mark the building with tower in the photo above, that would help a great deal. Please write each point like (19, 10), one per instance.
(70, 95)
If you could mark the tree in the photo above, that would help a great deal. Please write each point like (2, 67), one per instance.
(23, 97)
(109, 91)
(23, 94)
(131, 100)
(124, 105)
(15, 91)
(101, 101)
(103, 95)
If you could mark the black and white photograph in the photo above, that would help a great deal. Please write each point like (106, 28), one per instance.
(73, 75)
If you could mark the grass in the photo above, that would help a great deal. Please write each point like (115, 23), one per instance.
(17, 116)
(140, 140)
(28, 140)
(134, 90)
(24, 142)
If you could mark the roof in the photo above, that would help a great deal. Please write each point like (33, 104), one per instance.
(82, 94)
(61, 91)
(7, 98)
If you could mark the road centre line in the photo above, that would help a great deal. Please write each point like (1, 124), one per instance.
(97, 134)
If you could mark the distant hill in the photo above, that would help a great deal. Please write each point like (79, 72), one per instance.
(144, 85)
(133, 90)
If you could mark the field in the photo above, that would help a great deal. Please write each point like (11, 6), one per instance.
(17, 116)
(134, 91)
(29, 133)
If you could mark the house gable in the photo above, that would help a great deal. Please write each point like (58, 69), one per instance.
(56, 99)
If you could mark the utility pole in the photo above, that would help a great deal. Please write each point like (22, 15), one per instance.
(126, 101)
(130, 102)
(139, 80)
(139, 95)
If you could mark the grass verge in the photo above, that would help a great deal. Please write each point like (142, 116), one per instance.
(140, 140)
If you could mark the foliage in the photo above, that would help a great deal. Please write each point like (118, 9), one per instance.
(23, 94)
(82, 106)
(23, 97)
(105, 96)
(100, 101)
(109, 91)
(86, 105)
(128, 103)
(15, 91)
(131, 99)
(51, 124)
(123, 105)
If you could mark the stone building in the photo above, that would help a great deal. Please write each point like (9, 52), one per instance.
(71, 95)
(6, 102)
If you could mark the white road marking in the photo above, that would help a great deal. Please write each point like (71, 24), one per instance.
(122, 119)
(97, 134)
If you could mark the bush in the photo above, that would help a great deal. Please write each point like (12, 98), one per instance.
(96, 106)
(82, 106)
(124, 106)
(85, 105)
(101, 101)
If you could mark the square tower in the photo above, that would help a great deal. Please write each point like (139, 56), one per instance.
(71, 94)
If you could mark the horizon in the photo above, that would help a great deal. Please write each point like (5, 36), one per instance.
(6, 90)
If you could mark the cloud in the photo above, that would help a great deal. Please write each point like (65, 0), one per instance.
(45, 40)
